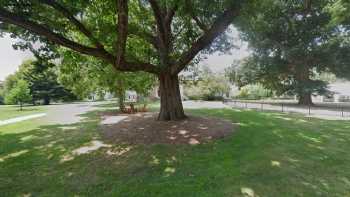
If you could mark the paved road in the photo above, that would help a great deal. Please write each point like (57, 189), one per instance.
(204, 104)
(69, 113)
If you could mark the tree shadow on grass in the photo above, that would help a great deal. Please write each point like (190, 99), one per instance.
(267, 156)
(305, 153)
(33, 161)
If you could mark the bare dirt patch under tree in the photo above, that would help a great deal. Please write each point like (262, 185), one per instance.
(143, 128)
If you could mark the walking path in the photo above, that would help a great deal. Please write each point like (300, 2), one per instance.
(21, 118)
(59, 113)
(203, 104)
(70, 113)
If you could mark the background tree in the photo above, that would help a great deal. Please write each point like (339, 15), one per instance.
(207, 86)
(254, 92)
(10, 83)
(161, 37)
(20, 94)
(1, 95)
(86, 76)
(292, 41)
(241, 73)
(42, 79)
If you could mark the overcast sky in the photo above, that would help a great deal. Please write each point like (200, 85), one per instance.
(10, 59)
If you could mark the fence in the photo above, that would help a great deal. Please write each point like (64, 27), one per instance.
(335, 110)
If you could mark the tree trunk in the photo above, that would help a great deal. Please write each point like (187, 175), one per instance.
(303, 79)
(305, 99)
(121, 95)
(20, 106)
(121, 99)
(170, 98)
(46, 100)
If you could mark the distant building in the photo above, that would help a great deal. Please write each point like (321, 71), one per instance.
(131, 96)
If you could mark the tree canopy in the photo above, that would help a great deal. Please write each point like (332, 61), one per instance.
(42, 80)
(292, 43)
(340, 11)
(155, 36)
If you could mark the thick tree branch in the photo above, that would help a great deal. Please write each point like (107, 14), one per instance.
(122, 29)
(307, 5)
(66, 13)
(159, 16)
(218, 27)
(164, 31)
(139, 66)
(8, 17)
(40, 30)
(199, 23)
(143, 34)
(170, 15)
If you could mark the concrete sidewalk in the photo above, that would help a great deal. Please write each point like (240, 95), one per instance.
(21, 118)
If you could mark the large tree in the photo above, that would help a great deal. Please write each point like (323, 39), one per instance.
(41, 77)
(293, 42)
(168, 34)
(43, 81)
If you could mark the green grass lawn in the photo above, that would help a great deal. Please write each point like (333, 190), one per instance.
(12, 111)
(271, 154)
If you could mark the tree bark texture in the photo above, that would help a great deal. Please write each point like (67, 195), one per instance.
(170, 98)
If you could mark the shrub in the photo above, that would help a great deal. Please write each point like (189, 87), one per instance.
(210, 88)
(255, 91)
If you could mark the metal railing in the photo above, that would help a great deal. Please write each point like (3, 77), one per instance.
(334, 110)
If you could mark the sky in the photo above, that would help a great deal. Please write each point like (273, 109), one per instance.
(10, 59)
